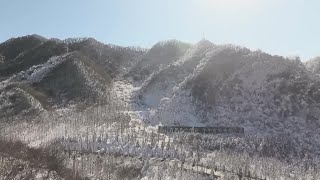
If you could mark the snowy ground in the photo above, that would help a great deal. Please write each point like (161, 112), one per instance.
(140, 116)
(125, 92)
(79, 133)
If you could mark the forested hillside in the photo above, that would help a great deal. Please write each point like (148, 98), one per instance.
(94, 109)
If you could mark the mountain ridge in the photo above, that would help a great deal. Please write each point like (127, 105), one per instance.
(79, 99)
(176, 83)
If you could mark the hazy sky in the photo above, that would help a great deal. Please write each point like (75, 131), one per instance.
(284, 27)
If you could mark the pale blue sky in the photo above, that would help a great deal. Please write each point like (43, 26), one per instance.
(284, 27)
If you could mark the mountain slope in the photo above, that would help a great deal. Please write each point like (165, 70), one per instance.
(114, 59)
(16, 47)
(13, 47)
(34, 56)
(99, 106)
(233, 86)
(160, 55)
(202, 84)
(55, 73)
(314, 65)
(162, 82)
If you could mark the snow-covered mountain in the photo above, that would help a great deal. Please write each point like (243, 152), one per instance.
(81, 88)
(234, 86)
(39, 73)
(160, 55)
(204, 83)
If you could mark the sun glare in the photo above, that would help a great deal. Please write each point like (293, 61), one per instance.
(232, 5)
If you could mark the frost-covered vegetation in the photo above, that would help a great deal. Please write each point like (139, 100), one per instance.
(88, 110)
